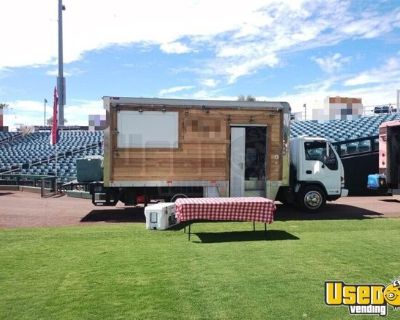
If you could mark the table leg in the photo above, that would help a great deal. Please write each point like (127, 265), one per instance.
(189, 232)
(265, 230)
(184, 229)
(254, 226)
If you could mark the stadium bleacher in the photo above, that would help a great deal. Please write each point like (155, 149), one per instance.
(341, 130)
(32, 153)
(4, 136)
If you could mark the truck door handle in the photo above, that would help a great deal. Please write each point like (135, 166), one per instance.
(308, 171)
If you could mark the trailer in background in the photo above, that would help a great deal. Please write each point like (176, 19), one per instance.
(388, 179)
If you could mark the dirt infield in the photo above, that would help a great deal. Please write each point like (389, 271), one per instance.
(24, 209)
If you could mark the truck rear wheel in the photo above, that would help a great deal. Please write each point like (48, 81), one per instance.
(312, 198)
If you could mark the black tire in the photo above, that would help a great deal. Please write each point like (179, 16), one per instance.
(311, 199)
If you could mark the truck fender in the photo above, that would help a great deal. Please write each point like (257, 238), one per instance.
(303, 184)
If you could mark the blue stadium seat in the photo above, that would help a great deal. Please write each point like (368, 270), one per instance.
(342, 130)
(34, 148)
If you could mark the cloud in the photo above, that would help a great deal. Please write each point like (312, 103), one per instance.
(372, 94)
(175, 47)
(381, 86)
(176, 89)
(25, 112)
(67, 73)
(77, 113)
(211, 83)
(92, 25)
(388, 73)
(332, 63)
(250, 66)
(240, 37)
(4, 72)
(29, 112)
(283, 29)
(371, 24)
(27, 106)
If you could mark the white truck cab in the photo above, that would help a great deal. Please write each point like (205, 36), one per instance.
(316, 173)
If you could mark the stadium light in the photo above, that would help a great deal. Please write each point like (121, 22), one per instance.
(60, 78)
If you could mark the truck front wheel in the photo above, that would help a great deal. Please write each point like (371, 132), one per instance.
(312, 198)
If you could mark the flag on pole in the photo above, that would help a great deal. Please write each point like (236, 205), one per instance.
(54, 128)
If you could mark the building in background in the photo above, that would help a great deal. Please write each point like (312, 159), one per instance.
(344, 108)
(97, 122)
(339, 108)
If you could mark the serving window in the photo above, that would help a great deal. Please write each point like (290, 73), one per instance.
(148, 129)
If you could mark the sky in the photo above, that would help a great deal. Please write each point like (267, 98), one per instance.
(299, 51)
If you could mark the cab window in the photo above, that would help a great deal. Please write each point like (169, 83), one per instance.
(316, 151)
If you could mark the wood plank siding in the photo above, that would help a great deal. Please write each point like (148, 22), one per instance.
(204, 147)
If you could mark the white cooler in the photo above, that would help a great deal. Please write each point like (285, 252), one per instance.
(160, 216)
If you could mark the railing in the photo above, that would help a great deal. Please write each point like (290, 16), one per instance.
(10, 138)
(60, 155)
(357, 146)
(65, 154)
(47, 184)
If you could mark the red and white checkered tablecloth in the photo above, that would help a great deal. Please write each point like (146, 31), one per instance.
(226, 209)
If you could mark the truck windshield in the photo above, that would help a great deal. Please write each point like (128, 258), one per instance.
(316, 151)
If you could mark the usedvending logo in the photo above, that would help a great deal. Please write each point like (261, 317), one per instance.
(370, 299)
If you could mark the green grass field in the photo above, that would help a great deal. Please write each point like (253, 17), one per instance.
(122, 271)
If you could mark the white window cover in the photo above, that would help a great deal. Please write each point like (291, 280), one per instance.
(148, 129)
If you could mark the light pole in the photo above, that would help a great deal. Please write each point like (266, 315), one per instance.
(44, 112)
(60, 78)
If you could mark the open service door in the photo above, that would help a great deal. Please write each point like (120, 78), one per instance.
(238, 158)
(248, 161)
